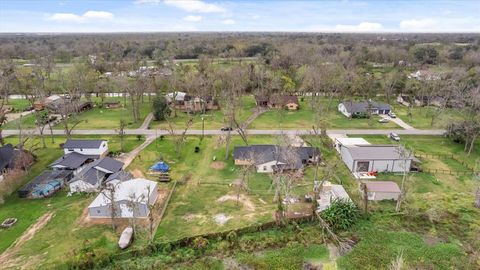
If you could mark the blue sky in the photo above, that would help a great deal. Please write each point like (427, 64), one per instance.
(206, 15)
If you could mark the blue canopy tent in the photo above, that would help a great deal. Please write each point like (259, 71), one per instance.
(160, 167)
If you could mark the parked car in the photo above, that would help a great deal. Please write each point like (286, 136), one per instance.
(392, 115)
(394, 136)
(384, 120)
(226, 129)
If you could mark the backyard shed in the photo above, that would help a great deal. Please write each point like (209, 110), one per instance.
(382, 190)
(45, 184)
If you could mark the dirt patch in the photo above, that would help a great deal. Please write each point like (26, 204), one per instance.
(137, 173)
(190, 217)
(221, 218)
(431, 240)
(8, 254)
(247, 203)
(217, 165)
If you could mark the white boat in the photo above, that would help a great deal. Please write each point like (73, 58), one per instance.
(126, 238)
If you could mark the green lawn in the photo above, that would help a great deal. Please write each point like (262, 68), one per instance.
(421, 116)
(304, 118)
(63, 233)
(194, 204)
(96, 118)
(18, 104)
(214, 119)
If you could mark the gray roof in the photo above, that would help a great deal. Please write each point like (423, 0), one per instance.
(7, 156)
(294, 157)
(362, 106)
(120, 175)
(91, 175)
(110, 164)
(86, 144)
(72, 160)
(376, 152)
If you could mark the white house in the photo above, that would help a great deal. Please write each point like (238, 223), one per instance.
(94, 148)
(381, 190)
(132, 198)
(354, 108)
(376, 158)
(272, 158)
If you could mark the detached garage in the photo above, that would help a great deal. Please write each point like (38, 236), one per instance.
(376, 158)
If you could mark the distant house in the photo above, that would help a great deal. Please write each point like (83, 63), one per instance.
(274, 158)
(329, 193)
(424, 75)
(418, 101)
(381, 190)
(184, 102)
(90, 177)
(12, 158)
(278, 102)
(94, 148)
(360, 109)
(376, 158)
(112, 104)
(66, 106)
(132, 199)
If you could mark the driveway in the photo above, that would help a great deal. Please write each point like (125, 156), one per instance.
(398, 121)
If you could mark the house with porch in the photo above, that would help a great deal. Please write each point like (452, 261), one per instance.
(361, 109)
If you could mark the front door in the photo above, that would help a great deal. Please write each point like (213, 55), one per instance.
(362, 166)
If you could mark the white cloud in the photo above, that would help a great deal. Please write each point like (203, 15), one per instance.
(228, 21)
(98, 15)
(147, 2)
(193, 18)
(361, 27)
(89, 15)
(195, 6)
(422, 24)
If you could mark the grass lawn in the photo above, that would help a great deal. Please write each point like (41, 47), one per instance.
(304, 118)
(63, 232)
(96, 118)
(213, 119)
(18, 104)
(421, 116)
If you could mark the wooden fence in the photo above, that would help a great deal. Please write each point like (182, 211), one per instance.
(470, 169)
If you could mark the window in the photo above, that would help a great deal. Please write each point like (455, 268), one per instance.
(362, 166)
(264, 168)
(98, 211)
(71, 150)
(81, 149)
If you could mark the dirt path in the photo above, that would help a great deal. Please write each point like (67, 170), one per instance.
(147, 121)
(256, 113)
(247, 203)
(127, 158)
(9, 254)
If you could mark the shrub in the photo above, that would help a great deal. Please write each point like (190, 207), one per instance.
(341, 214)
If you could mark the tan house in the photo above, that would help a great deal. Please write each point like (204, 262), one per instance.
(381, 190)
(186, 103)
(278, 102)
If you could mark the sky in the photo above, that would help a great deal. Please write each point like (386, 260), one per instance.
(234, 15)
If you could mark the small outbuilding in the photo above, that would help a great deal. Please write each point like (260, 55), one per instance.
(381, 190)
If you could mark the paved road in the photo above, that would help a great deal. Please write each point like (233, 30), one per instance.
(151, 132)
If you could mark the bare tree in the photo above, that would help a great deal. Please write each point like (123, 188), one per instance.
(405, 158)
(178, 139)
(121, 134)
(132, 205)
